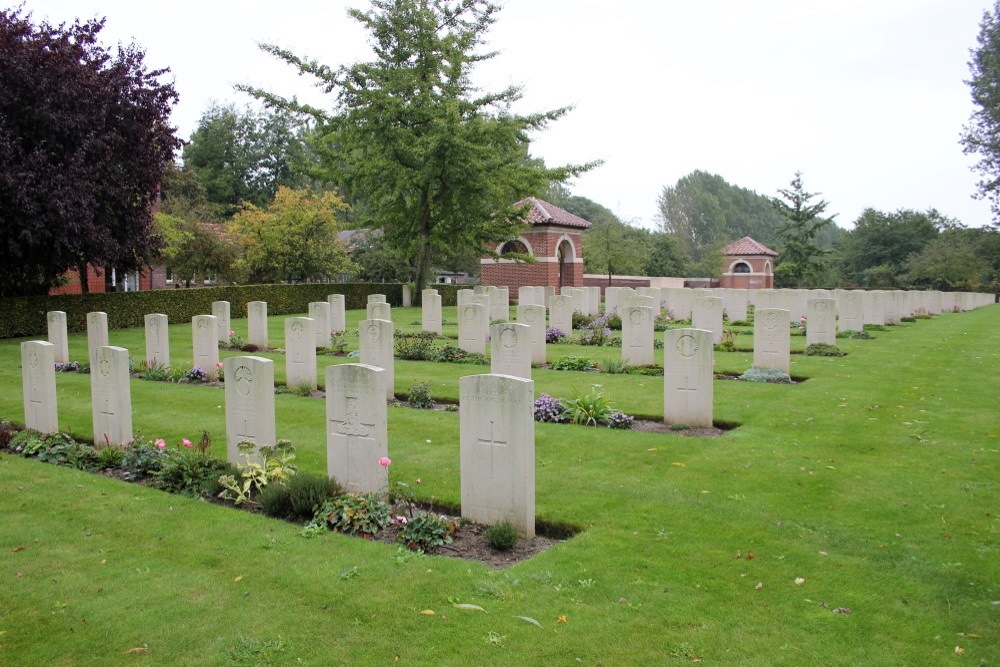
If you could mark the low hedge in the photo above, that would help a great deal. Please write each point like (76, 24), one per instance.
(26, 316)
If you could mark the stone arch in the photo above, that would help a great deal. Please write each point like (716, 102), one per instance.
(740, 266)
(519, 245)
(767, 268)
(566, 257)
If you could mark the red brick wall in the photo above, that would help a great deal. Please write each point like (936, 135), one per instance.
(543, 240)
(95, 281)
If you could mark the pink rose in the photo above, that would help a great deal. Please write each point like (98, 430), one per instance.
(160, 443)
(186, 442)
(385, 461)
(232, 333)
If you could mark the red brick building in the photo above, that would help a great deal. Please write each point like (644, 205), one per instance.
(748, 265)
(553, 238)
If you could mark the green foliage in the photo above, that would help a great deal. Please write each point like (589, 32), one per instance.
(142, 458)
(981, 137)
(355, 514)
(410, 121)
(874, 253)
(572, 363)
(338, 341)
(276, 500)
(194, 251)
(799, 259)
(262, 465)
(456, 355)
(189, 472)
(25, 316)
(502, 536)
(580, 320)
(824, 350)
(420, 395)
(615, 248)
(856, 335)
(614, 365)
(728, 343)
(757, 374)
(253, 652)
(415, 347)
(426, 530)
(154, 372)
(957, 259)
(589, 409)
(294, 238)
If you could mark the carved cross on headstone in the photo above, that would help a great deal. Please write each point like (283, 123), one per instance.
(492, 442)
(245, 432)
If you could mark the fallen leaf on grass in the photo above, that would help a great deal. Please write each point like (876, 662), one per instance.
(561, 619)
(428, 612)
(842, 610)
(799, 581)
(239, 578)
(959, 650)
(652, 449)
(678, 464)
(19, 574)
(137, 649)
(969, 635)
(469, 607)
(528, 619)
(16, 549)
(759, 586)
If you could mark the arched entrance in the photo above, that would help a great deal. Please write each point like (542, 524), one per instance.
(564, 253)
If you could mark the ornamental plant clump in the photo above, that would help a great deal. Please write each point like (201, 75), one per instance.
(362, 514)
(589, 409)
(255, 475)
(573, 363)
(597, 332)
(415, 347)
(620, 420)
(824, 350)
(338, 341)
(426, 530)
(235, 341)
(502, 536)
(554, 335)
(549, 409)
(757, 374)
(420, 395)
(455, 355)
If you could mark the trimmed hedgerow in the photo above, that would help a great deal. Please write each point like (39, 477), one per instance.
(25, 316)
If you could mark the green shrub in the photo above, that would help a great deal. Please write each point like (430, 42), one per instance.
(572, 363)
(456, 355)
(613, 321)
(824, 350)
(355, 514)
(908, 318)
(415, 347)
(154, 372)
(679, 426)
(614, 365)
(189, 473)
(426, 530)
(420, 395)
(501, 536)
(276, 500)
(7, 433)
(142, 458)
(580, 320)
(308, 491)
(757, 374)
(27, 442)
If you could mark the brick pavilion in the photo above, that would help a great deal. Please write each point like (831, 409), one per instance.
(748, 264)
(553, 238)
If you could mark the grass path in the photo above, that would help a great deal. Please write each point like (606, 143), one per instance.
(876, 481)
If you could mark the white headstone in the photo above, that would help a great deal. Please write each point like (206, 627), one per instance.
(338, 315)
(379, 310)
(890, 306)
(735, 301)
(771, 339)
(767, 298)
(637, 335)
(576, 296)
(407, 296)
(357, 435)
(525, 296)
(206, 344)
(97, 330)
(376, 298)
(851, 310)
(533, 315)
(376, 345)
(688, 377)
(611, 299)
(473, 325)
(593, 300)
(500, 304)
(110, 397)
(221, 310)
(510, 350)
(38, 382)
(257, 324)
(707, 315)
(249, 403)
(550, 292)
(465, 296)
(430, 312)
(58, 335)
(874, 307)
(157, 340)
(320, 311)
(300, 352)
(561, 314)
(821, 322)
(498, 450)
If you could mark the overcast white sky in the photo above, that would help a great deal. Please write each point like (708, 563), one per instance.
(866, 97)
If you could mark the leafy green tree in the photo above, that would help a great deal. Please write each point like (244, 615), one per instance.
(195, 250)
(376, 260)
(665, 256)
(800, 258)
(981, 137)
(611, 247)
(84, 135)
(242, 155)
(957, 259)
(874, 253)
(438, 162)
(294, 238)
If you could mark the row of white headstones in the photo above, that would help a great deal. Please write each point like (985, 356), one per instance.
(496, 421)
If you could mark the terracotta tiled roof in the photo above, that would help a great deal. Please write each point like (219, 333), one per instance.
(747, 246)
(544, 213)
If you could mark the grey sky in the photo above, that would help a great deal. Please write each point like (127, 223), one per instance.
(865, 97)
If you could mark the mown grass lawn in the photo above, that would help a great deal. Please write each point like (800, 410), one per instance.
(875, 481)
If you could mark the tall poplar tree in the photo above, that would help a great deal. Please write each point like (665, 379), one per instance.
(981, 137)
(438, 162)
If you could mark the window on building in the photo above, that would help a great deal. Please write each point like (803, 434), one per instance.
(741, 267)
(514, 247)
